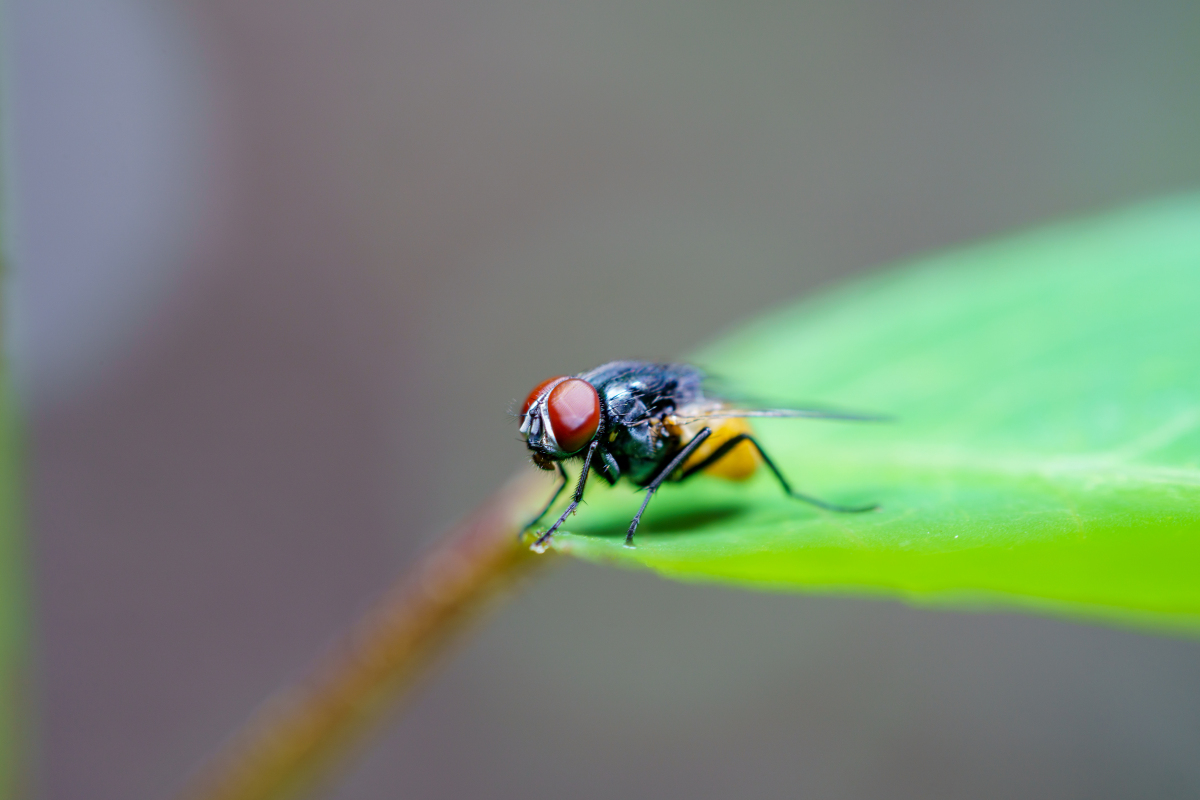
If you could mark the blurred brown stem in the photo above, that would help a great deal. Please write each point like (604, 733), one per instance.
(300, 734)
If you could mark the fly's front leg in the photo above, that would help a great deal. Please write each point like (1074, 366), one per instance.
(553, 499)
(734, 441)
(543, 541)
(662, 475)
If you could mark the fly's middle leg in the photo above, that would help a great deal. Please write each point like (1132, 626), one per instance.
(662, 475)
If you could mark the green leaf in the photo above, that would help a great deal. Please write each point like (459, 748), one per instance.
(15, 686)
(1045, 447)
(14, 680)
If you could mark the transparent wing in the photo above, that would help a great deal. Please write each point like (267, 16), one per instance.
(727, 399)
(726, 412)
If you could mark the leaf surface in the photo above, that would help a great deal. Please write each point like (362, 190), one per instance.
(14, 678)
(1045, 447)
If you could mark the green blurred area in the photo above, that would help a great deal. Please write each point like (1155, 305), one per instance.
(15, 684)
(15, 681)
(1046, 441)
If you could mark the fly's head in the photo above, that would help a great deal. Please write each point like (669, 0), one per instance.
(560, 417)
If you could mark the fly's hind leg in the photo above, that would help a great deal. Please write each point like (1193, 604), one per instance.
(734, 441)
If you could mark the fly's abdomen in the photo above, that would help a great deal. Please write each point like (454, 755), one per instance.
(738, 464)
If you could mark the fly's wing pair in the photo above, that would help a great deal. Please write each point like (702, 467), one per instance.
(736, 412)
(726, 401)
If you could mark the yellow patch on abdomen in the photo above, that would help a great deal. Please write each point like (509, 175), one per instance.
(738, 464)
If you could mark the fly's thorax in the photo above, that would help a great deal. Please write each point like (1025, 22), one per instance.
(640, 447)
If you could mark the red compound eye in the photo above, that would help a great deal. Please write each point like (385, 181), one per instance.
(537, 392)
(574, 414)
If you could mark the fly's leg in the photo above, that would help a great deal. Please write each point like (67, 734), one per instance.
(543, 541)
(662, 475)
(608, 467)
(734, 441)
(550, 504)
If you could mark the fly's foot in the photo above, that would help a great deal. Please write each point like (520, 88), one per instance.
(543, 541)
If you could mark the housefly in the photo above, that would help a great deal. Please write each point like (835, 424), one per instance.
(648, 423)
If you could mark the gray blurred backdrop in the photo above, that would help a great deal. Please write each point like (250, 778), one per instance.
(282, 267)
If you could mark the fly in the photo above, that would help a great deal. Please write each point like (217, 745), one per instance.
(648, 423)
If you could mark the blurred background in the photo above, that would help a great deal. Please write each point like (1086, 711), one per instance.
(281, 268)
